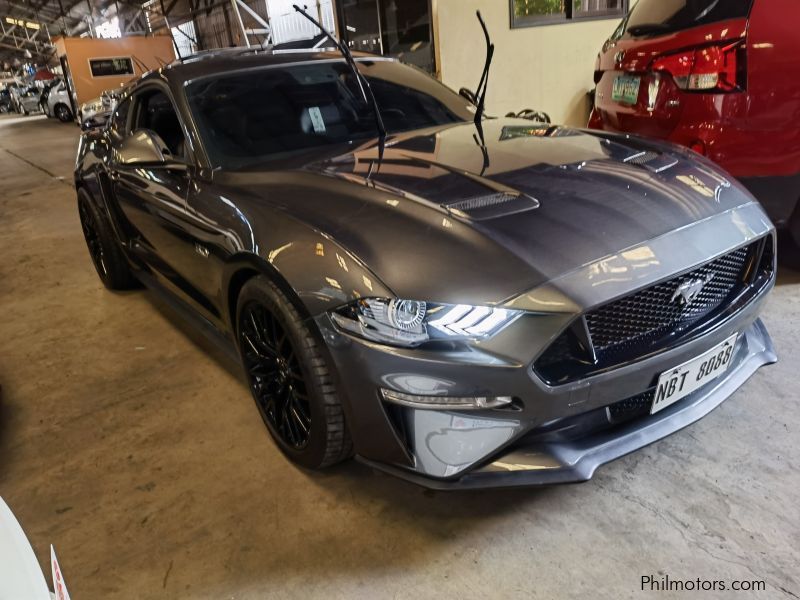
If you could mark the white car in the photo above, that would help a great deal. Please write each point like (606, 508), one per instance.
(58, 103)
(95, 113)
(20, 575)
(28, 100)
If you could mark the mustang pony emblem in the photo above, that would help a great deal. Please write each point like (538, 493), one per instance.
(687, 292)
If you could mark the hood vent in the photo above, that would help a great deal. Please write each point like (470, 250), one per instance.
(482, 201)
(492, 206)
(652, 161)
(641, 158)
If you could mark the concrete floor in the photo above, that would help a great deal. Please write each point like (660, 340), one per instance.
(134, 447)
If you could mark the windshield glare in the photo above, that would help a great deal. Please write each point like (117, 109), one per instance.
(252, 116)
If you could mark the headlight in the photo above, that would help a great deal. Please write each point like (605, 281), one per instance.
(412, 322)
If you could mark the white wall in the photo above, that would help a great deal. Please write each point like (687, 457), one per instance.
(288, 25)
(547, 68)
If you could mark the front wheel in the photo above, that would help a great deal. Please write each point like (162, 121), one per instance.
(290, 379)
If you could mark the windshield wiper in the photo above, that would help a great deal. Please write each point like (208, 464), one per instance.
(647, 28)
(363, 84)
(480, 94)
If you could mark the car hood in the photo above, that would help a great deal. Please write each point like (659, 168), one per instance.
(458, 214)
(94, 104)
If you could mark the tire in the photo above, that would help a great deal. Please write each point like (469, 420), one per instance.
(104, 250)
(289, 377)
(63, 113)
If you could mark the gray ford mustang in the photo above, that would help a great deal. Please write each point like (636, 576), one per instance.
(461, 303)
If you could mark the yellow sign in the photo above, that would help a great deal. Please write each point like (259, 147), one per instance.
(22, 23)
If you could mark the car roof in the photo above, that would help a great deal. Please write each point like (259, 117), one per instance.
(212, 62)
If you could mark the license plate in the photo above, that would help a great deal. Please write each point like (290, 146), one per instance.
(626, 89)
(681, 381)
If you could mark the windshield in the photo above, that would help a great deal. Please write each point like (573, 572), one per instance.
(653, 17)
(251, 116)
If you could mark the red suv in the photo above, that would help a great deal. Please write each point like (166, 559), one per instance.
(719, 76)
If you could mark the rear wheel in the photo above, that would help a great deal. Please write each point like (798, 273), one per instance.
(289, 377)
(104, 250)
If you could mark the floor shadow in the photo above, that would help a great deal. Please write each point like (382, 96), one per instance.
(198, 336)
(8, 414)
(410, 497)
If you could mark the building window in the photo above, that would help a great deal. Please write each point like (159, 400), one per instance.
(525, 13)
(598, 8)
(109, 29)
(185, 39)
(400, 28)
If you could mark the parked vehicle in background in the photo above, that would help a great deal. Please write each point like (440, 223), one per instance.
(45, 96)
(58, 103)
(29, 100)
(20, 574)
(91, 108)
(722, 78)
(95, 113)
(13, 88)
(5, 101)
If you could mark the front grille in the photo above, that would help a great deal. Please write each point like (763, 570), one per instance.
(657, 309)
(658, 316)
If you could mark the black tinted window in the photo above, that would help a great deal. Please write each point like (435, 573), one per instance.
(156, 113)
(652, 17)
(247, 117)
(119, 122)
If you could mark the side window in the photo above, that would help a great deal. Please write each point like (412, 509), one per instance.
(119, 122)
(154, 111)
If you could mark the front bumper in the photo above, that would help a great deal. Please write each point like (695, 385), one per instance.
(570, 461)
(553, 434)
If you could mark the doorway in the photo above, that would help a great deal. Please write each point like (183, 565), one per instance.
(398, 28)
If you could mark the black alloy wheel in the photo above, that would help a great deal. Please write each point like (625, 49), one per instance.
(290, 377)
(105, 251)
(92, 235)
(276, 379)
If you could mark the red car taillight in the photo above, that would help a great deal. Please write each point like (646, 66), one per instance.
(707, 69)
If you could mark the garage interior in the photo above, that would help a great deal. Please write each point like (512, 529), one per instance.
(128, 440)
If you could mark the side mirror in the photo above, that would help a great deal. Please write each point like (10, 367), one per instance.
(145, 147)
(468, 94)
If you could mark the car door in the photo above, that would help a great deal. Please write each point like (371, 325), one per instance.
(152, 198)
